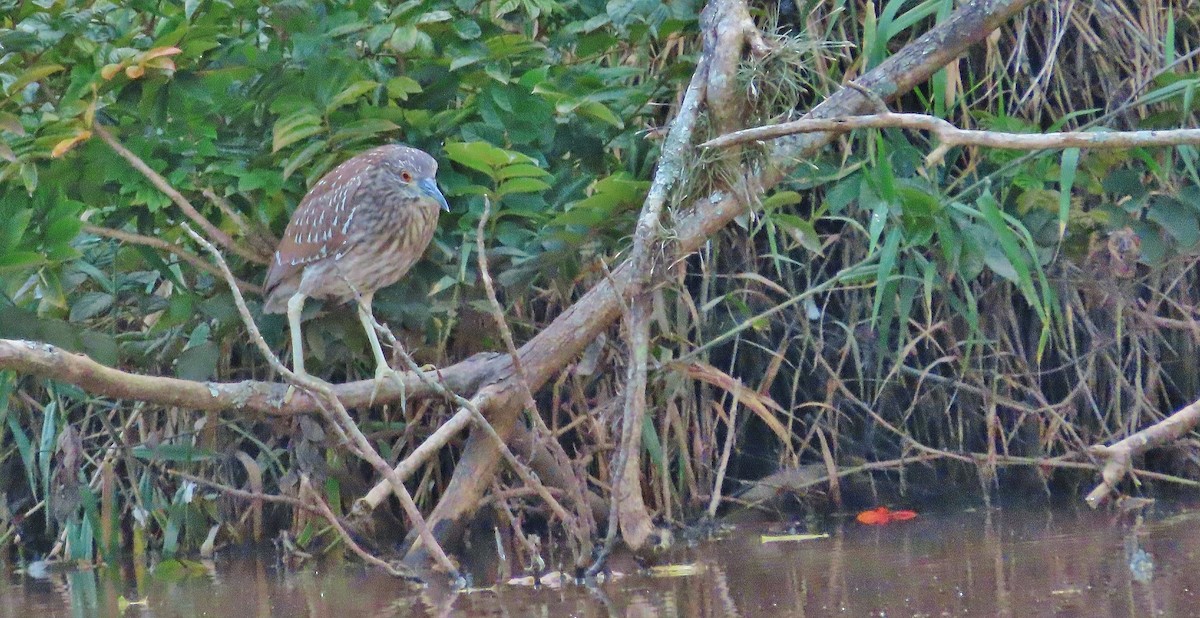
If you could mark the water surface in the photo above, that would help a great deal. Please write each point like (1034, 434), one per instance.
(978, 563)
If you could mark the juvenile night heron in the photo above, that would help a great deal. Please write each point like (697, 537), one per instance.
(359, 229)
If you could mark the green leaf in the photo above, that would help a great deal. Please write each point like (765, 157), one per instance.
(1177, 219)
(11, 123)
(433, 17)
(178, 453)
(883, 273)
(45, 447)
(62, 230)
(170, 544)
(521, 185)
(407, 39)
(350, 94)
(89, 305)
(781, 198)
(463, 61)
(302, 158)
(367, 127)
(471, 155)
(1017, 258)
(21, 260)
(400, 87)
(32, 75)
(198, 363)
(29, 176)
(1070, 163)
(445, 283)
(878, 207)
(484, 157)
(800, 230)
(295, 127)
(467, 29)
(13, 230)
(25, 449)
(521, 170)
(600, 112)
(998, 262)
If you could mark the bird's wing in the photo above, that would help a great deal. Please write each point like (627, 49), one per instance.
(318, 229)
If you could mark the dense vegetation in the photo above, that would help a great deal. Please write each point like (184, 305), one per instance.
(951, 322)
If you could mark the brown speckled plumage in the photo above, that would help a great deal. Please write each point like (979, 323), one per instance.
(361, 222)
(359, 229)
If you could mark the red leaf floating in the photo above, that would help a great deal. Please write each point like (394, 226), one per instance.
(880, 516)
(874, 517)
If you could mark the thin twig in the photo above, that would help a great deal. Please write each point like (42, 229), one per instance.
(182, 202)
(264, 243)
(949, 135)
(581, 531)
(328, 514)
(242, 493)
(173, 249)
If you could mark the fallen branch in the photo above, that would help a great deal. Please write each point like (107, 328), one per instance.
(1119, 456)
(721, 21)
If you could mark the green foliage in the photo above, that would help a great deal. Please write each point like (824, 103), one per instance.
(254, 103)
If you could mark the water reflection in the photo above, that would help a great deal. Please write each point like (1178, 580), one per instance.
(988, 563)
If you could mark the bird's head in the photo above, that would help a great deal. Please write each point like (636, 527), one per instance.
(416, 169)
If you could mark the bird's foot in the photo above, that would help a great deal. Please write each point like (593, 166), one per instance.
(384, 373)
(291, 390)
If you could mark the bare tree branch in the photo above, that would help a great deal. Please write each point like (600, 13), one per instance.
(949, 135)
(48, 361)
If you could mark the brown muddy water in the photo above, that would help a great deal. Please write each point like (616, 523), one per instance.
(975, 563)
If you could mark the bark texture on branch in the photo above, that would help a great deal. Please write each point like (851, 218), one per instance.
(949, 135)
(1119, 456)
(49, 361)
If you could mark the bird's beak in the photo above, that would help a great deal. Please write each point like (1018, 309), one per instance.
(430, 188)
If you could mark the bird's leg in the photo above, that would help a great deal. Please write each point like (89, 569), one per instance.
(383, 369)
(295, 307)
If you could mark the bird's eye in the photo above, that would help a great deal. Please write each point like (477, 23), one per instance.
(406, 176)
